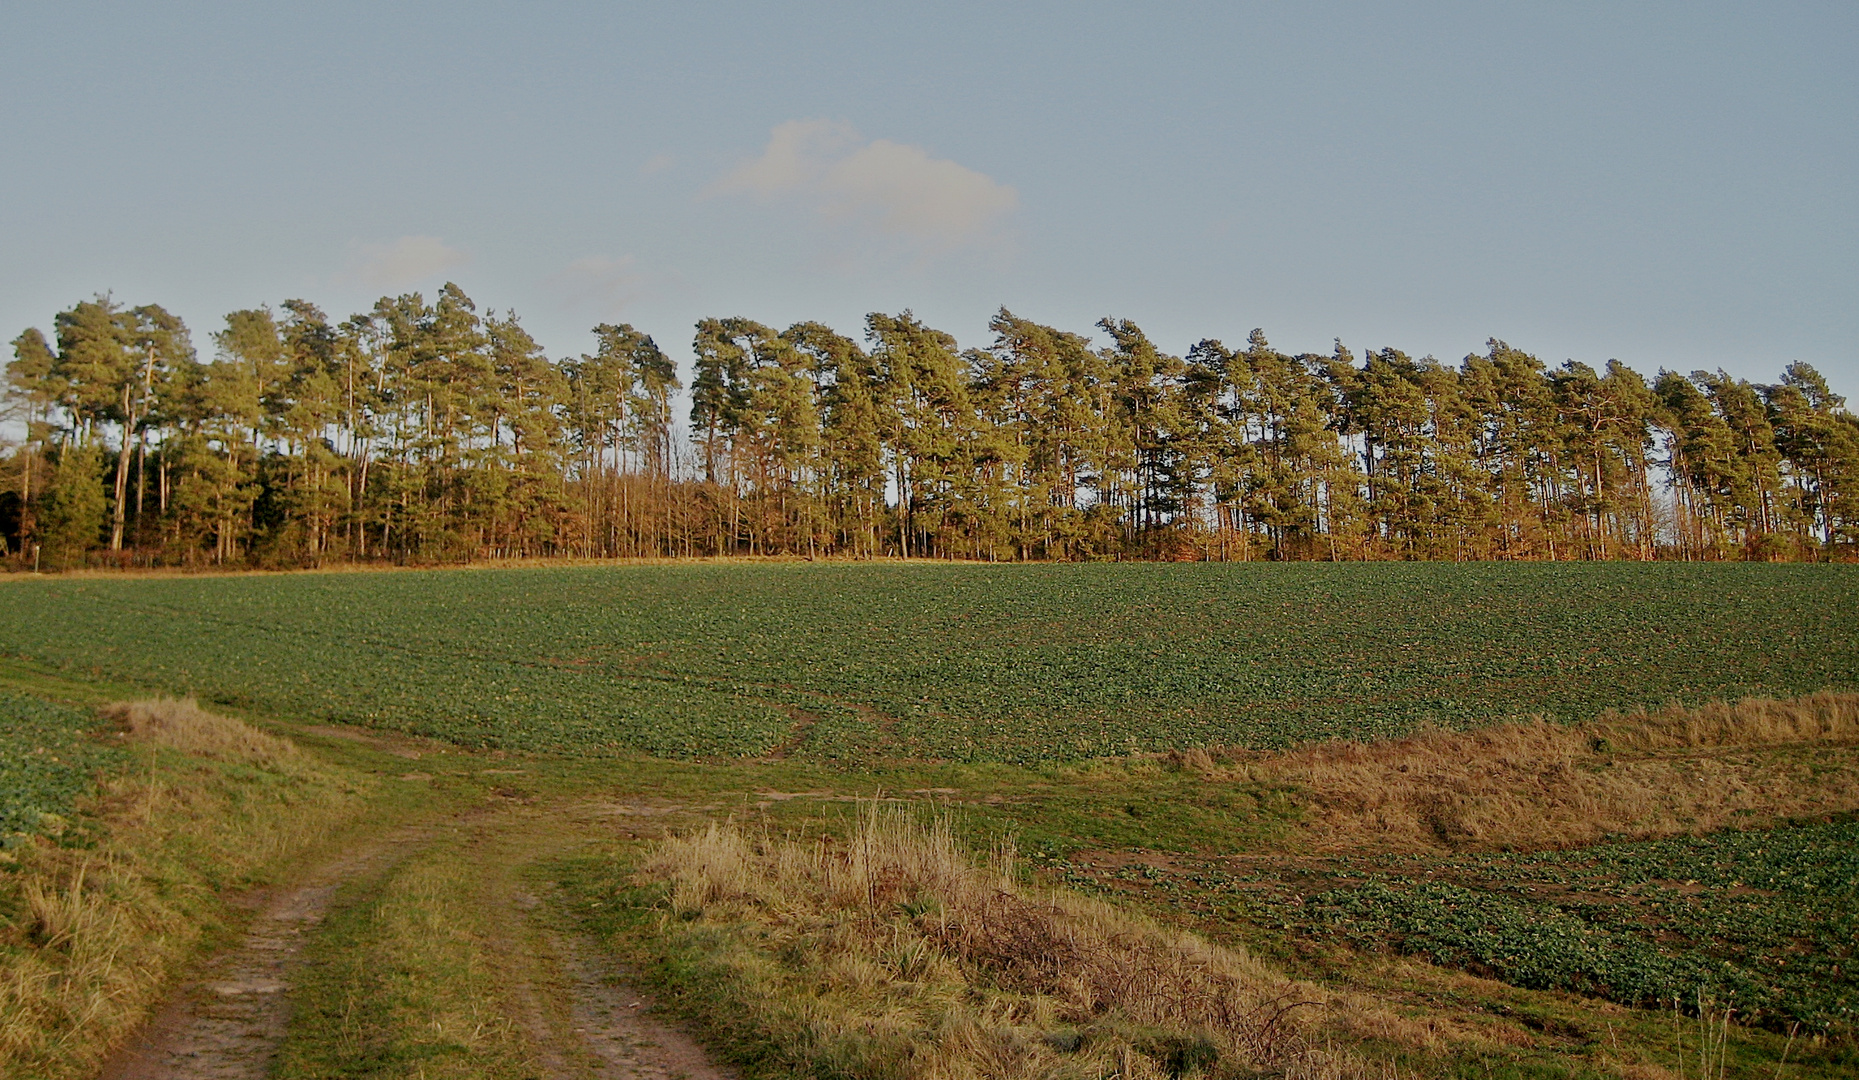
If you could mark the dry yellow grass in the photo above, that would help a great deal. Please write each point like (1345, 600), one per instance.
(1540, 785)
(183, 725)
(92, 938)
(894, 955)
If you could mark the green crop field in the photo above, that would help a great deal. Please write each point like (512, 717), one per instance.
(49, 758)
(962, 662)
(1764, 921)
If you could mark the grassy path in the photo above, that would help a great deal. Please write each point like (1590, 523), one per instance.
(420, 937)
(568, 996)
(431, 949)
(229, 1022)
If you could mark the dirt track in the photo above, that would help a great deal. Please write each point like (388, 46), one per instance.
(616, 1025)
(230, 1020)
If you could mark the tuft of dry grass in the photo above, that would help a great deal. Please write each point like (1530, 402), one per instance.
(893, 954)
(1538, 785)
(89, 939)
(181, 724)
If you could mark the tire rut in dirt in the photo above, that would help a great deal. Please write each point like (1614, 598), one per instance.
(617, 1027)
(228, 1024)
(599, 1027)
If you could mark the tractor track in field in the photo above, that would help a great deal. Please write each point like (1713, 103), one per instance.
(586, 1021)
(227, 1024)
(230, 1019)
(619, 1029)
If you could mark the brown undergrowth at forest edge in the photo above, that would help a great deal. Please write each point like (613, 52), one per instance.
(1539, 785)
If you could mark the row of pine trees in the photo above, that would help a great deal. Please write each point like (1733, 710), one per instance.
(431, 432)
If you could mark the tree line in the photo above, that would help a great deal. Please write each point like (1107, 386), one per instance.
(430, 432)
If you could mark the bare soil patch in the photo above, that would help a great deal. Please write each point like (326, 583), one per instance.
(619, 1029)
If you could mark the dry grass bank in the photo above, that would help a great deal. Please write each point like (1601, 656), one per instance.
(1540, 785)
(894, 955)
(90, 938)
(184, 726)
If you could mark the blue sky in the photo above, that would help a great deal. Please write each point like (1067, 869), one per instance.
(1675, 185)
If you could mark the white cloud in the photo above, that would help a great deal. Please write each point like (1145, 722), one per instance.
(600, 282)
(919, 195)
(890, 188)
(406, 261)
(657, 163)
(797, 157)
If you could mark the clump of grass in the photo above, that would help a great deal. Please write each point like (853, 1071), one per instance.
(86, 941)
(893, 954)
(1538, 785)
(184, 726)
(91, 937)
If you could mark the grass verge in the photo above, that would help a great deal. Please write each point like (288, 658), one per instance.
(1537, 785)
(859, 950)
(890, 953)
(832, 940)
